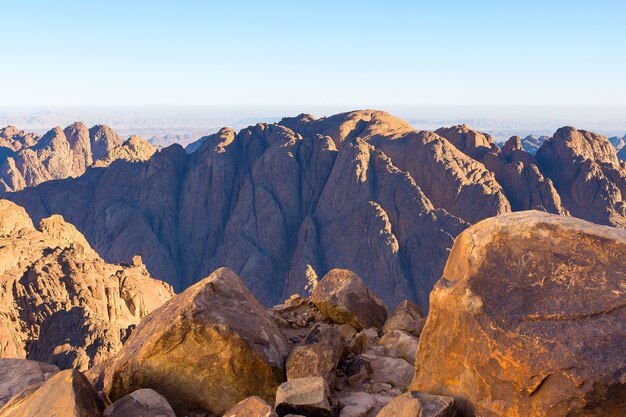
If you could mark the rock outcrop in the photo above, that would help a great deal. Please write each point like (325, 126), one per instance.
(59, 301)
(214, 350)
(135, 149)
(27, 159)
(413, 404)
(587, 174)
(343, 298)
(144, 402)
(528, 319)
(306, 396)
(205, 350)
(514, 169)
(406, 317)
(251, 407)
(67, 393)
(618, 142)
(18, 374)
(531, 143)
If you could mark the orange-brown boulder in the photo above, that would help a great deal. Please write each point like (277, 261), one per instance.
(529, 320)
(205, 350)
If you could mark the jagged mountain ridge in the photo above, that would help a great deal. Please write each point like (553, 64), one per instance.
(281, 204)
(27, 159)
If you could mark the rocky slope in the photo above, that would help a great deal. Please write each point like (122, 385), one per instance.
(59, 301)
(196, 357)
(282, 204)
(271, 204)
(529, 320)
(516, 171)
(27, 159)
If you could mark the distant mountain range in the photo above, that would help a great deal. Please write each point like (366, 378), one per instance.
(27, 159)
(281, 204)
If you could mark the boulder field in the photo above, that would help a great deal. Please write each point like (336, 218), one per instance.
(528, 319)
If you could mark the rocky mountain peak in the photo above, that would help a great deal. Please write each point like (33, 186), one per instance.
(27, 160)
(570, 143)
(471, 142)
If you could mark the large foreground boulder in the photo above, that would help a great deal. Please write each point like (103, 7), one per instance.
(205, 350)
(343, 297)
(67, 394)
(18, 374)
(529, 320)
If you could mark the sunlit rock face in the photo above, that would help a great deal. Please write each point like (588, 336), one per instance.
(59, 301)
(587, 174)
(528, 319)
(27, 159)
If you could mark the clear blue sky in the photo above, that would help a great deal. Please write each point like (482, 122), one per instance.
(312, 52)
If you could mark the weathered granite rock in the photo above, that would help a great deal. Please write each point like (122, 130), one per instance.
(204, 350)
(134, 149)
(18, 374)
(344, 298)
(407, 317)
(53, 285)
(282, 204)
(418, 404)
(529, 320)
(281, 207)
(308, 396)
(514, 169)
(67, 394)
(144, 402)
(251, 407)
(357, 404)
(317, 355)
(400, 344)
(395, 371)
(28, 159)
(587, 174)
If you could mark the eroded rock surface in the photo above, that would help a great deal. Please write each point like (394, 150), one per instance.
(27, 159)
(67, 393)
(251, 407)
(282, 204)
(587, 174)
(343, 298)
(18, 374)
(529, 320)
(53, 285)
(144, 402)
(417, 404)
